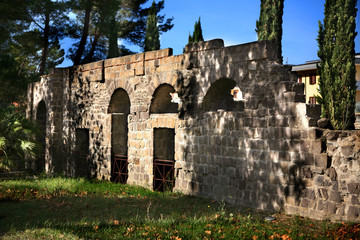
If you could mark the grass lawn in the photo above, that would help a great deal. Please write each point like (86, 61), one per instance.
(65, 208)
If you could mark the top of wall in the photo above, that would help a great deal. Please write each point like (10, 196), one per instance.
(139, 64)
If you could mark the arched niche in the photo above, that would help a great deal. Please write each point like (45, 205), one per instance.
(219, 96)
(119, 108)
(41, 120)
(120, 102)
(161, 100)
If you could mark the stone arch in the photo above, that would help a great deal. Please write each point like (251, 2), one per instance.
(219, 95)
(119, 102)
(115, 85)
(161, 100)
(41, 120)
(119, 108)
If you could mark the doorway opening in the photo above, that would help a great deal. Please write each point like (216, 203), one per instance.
(82, 153)
(164, 161)
(41, 136)
(119, 109)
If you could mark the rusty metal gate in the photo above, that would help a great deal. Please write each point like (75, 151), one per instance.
(82, 165)
(164, 175)
(119, 172)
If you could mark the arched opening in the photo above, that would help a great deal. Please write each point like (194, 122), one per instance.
(41, 120)
(164, 140)
(219, 96)
(161, 101)
(119, 108)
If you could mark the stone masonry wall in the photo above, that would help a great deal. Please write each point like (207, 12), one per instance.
(50, 90)
(331, 187)
(261, 152)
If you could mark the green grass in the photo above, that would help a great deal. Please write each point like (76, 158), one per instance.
(64, 208)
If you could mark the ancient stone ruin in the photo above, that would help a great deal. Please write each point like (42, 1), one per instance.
(229, 123)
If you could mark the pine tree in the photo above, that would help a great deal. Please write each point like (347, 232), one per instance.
(337, 84)
(50, 20)
(269, 25)
(197, 34)
(152, 37)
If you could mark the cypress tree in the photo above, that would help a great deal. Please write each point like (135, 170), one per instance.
(197, 34)
(337, 84)
(152, 37)
(269, 25)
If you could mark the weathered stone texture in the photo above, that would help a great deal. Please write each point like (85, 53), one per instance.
(336, 176)
(259, 152)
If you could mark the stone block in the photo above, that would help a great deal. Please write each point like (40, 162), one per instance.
(355, 200)
(331, 208)
(323, 192)
(321, 160)
(352, 213)
(319, 180)
(331, 173)
(354, 187)
(252, 103)
(311, 122)
(313, 111)
(292, 97)
(278, 122)
(298, 88)
(305, 203)
(140, 71)
(316, 146)
(324, 123)
(335, 197)
(347, 151)
(205, 45)
(332, 135)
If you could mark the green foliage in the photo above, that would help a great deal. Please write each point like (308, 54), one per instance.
(100, 25)
(33, 32)
(13, 19)
(197, 35)
(337, 84)
(49, 20)
(17, 139)
(152, 37)
(13, 81)
(269, 25)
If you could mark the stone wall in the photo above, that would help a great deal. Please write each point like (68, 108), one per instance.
(49, 90)
(261, 152)
(331, 187)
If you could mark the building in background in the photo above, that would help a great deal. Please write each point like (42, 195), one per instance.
(308, 75)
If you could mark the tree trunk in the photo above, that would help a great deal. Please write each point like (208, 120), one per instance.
(45, 48)
(85, 33)
(113, 50)
(90, 56)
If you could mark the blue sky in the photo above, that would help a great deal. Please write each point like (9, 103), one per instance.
(234, 21)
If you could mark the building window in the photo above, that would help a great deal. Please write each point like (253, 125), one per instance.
(300, 79)
(312, 79)
(312, 100)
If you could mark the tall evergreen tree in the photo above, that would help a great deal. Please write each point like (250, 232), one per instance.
(269, 25)
(102, 25)
(197, 35)
(337, 84)
(152, 37)
(49, 19)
